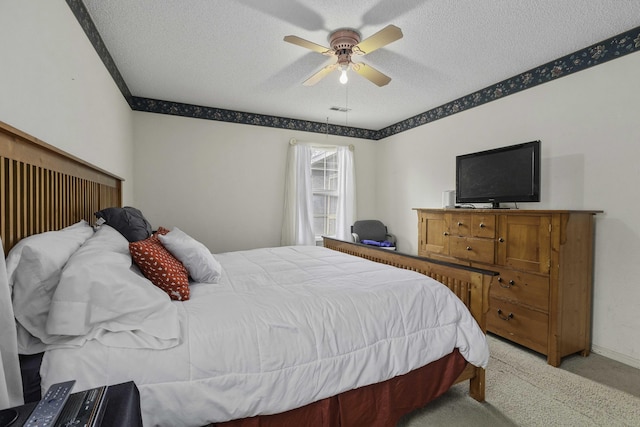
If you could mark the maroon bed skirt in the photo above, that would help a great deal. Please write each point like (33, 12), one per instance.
(375, 405)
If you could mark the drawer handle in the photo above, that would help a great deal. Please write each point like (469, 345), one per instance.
(500, 240)
(468, 248)
(503, 317)
(459, 223)
(482, 225)
(505, 285)
(445, 234)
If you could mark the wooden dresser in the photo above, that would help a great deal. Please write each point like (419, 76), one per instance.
(542, 297)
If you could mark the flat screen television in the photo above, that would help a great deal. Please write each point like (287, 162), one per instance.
(501, 175)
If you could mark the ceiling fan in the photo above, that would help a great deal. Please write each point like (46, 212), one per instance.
(344, 43)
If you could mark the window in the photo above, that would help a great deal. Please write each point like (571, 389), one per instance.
(324, 183)
(320, 194)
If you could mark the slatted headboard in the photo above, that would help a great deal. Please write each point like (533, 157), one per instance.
(43, 188)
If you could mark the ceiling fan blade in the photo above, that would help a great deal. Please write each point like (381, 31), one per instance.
(320, 75)
(309, 45)
(371, 74)
(387, 35)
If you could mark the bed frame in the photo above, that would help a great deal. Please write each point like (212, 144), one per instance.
(471, 285)
(42, 188)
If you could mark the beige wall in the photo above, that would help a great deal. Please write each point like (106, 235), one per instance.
(590, 132)
(54, 86)
(224, 182)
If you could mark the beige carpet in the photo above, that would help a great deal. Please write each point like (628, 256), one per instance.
(522, 390)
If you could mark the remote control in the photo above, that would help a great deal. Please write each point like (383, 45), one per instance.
(47, 410)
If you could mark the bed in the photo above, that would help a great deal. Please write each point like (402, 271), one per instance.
(335, 335)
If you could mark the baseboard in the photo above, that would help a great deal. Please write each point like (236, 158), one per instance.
(614, 355)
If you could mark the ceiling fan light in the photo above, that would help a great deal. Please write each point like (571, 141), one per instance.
(343, 76)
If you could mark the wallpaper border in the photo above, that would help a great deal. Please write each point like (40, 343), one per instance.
(596, 54)
(231, 116)
(84, 19)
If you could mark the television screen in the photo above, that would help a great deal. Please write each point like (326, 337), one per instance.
(506, 174)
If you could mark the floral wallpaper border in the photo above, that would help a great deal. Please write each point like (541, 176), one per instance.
(222, 115)
(82, 15)
(612, 48)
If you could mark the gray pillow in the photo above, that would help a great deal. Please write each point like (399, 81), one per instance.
(128, 221)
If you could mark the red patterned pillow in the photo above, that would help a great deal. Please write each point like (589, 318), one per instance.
(162, 230)
(158, 265)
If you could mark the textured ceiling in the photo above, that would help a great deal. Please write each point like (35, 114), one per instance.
(231, 54)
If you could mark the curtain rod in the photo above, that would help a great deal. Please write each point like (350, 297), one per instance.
(294, 141)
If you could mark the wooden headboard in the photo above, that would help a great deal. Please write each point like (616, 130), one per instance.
(43, 188)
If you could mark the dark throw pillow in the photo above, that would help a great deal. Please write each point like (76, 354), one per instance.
(128, 221)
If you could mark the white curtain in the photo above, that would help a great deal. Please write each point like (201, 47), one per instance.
(10, 380)
(297, 224)
(346, 209)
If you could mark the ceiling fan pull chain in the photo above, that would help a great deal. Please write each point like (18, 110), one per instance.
(346, 105)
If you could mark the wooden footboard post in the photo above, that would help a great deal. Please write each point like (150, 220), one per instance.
(479, 306)
(471, 285)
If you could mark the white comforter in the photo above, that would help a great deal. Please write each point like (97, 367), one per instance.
(284, 327)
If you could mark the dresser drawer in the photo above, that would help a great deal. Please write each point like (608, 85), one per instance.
(469, 248)
(524, 288)
(460, 224)
(519, 324)
(483, 225)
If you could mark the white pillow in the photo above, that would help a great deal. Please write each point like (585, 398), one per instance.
(34, 266)
(102, 297)
(199, 261)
